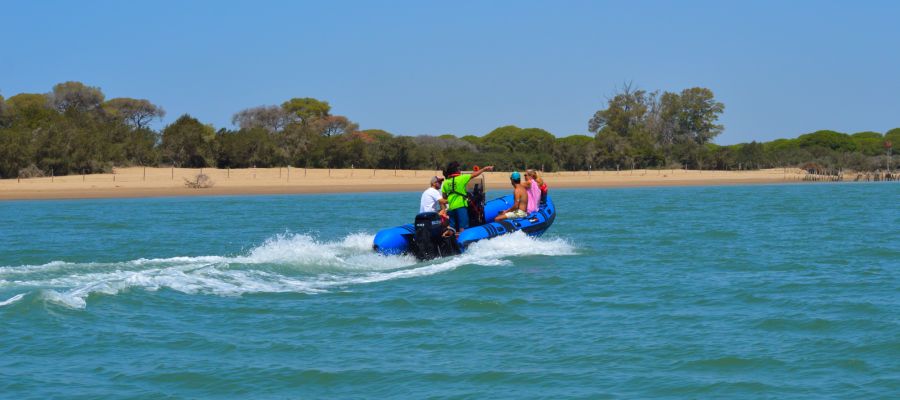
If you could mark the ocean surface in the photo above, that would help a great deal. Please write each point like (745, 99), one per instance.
(739, 292)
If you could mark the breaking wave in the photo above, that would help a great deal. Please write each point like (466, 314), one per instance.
(284, 263)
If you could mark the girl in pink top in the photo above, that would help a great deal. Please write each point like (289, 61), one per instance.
(534, 191)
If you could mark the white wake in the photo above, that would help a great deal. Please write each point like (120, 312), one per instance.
(284, 263)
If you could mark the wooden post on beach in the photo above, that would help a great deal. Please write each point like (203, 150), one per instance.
(289, 173)
(82, 175)
(173, 172)
(228, 173)
(279, 173)
(145, 173)
(51, 175)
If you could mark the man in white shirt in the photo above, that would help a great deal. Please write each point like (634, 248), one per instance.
(432, 197)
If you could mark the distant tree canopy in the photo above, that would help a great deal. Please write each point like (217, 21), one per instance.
(270, 118)
(827, 139)
(3, 112)
(189, 143)
(74, 129)
(306, 109)
(574, 152)
(648, 129)
(75, 96)
(135, 112)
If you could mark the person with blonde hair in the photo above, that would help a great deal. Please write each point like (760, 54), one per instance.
(536, 188)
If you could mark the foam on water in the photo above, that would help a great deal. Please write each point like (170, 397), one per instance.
(284, 263)
(12, 299)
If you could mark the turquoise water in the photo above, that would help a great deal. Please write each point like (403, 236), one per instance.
(788, 291)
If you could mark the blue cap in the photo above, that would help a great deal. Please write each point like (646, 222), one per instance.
(515, 176)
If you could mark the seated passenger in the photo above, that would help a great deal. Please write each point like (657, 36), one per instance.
(541, 184)
(533, 189)
(432, 200)
(520, 200)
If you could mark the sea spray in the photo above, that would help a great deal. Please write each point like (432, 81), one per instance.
(283, 263)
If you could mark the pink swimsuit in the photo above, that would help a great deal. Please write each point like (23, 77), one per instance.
(534, 196)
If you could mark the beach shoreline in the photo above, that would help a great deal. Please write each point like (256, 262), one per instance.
(140, 182)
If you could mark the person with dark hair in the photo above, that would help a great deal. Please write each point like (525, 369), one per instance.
(432, 200)
(520, 200)
(454, 191)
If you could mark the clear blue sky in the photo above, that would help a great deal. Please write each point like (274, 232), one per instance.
(782, 68)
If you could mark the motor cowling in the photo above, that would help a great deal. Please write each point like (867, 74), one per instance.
(428, 240)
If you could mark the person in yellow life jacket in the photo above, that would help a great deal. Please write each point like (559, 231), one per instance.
(454, 190)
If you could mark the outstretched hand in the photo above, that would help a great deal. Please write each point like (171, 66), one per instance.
(485, 169)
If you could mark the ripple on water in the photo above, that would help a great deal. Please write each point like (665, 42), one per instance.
(397, 303)
(750, 298)
(808, 325)
(729, 292)
(717, 234)
(732, 364)
(480, 305)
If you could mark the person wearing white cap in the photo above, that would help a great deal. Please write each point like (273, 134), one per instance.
(432, 199)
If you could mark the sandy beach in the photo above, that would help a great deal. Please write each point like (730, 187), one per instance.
(157, 182)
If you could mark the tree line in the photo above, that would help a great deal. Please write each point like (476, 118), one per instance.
(74, 129)
(651, 130)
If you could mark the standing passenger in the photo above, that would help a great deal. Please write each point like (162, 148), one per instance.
(454, 191)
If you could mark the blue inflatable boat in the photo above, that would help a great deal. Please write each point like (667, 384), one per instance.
(426, 238)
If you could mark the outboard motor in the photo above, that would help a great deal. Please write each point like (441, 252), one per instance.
(428, 241)
(476, 206)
